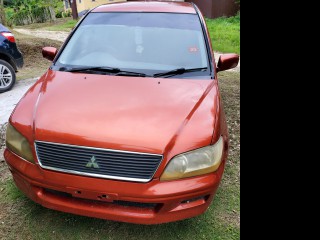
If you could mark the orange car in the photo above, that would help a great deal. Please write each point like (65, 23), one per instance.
(127, 124)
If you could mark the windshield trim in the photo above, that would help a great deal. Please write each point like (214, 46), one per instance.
(205, 35)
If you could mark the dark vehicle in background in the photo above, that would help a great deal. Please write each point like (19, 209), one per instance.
(10, 59)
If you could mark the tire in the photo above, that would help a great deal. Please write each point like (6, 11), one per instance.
(7, 76)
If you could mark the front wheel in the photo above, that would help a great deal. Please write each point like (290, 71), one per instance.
(7, 76)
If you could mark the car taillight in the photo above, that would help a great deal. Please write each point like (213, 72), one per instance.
(9, 36)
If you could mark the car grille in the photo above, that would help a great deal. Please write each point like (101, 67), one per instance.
(101, 163)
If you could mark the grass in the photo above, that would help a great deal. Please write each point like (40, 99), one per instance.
(64, 26)
(225, 34)
(20, 218)
(66, 22)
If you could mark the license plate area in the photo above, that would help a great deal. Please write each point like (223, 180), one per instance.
(91, 195)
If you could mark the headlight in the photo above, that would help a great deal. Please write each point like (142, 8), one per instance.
(201, 161)
(18, 144)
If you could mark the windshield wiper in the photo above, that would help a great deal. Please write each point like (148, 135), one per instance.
(85, 69)
(115, 71)
(131, 74)
(178, 71)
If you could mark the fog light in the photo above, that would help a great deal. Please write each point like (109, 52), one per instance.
(194, 200)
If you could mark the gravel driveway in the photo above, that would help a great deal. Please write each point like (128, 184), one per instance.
(9, 100)
(54, 35)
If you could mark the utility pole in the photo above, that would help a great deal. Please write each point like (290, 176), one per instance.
(74, 9)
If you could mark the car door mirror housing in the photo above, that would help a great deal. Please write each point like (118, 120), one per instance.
(227, 61)
(49, 53)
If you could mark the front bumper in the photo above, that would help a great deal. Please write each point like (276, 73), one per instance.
(150, 203)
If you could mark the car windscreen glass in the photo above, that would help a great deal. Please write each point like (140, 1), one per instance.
(144, 42)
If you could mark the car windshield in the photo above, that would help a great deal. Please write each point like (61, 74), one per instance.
(144, 42)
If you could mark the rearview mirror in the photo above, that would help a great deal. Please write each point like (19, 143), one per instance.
(49, 53)
(227, 61)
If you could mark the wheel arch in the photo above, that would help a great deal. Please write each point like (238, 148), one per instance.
(6, 58)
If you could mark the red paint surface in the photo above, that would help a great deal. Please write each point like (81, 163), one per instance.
(123, 113)
(164, 7)
(32, 180)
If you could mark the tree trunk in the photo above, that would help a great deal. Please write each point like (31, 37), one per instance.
(74, 9)
(53, 14)
(2, 13)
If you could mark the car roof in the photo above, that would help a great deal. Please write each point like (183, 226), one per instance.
(163, 7)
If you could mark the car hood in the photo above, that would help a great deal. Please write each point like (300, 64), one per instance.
(125, 113)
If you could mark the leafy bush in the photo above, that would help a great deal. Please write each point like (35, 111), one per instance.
(22, 12)
(66, 14)
(59, 14)
(28, 16)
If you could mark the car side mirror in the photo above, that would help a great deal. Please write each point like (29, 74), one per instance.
(49, 53)
(227, 61)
